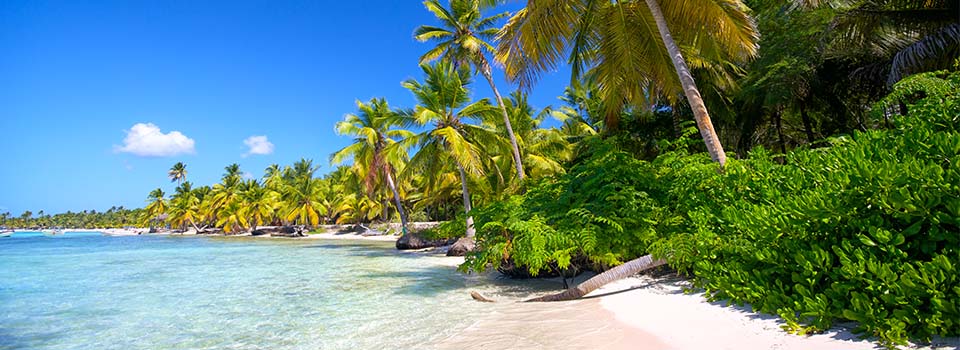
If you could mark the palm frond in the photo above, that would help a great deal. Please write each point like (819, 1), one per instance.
(932, 52)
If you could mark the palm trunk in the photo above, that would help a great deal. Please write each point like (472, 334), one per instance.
(467, 243)
(466, 203)
(778, 123)
(487, 73)
(194, 226)
(628, 269)
(689, 87)
(396, 199)
(385, 213)
(807, 123)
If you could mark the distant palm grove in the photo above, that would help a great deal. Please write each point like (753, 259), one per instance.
(800, 156)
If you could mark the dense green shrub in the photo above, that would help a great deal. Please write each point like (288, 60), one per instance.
(599, 214)
(866, 230)
(446, 230)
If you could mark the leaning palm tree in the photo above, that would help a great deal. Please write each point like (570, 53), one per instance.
(177, 173)
(615, 43)
(184, 208)
(443, 103)
(375, 152)
(463, 37)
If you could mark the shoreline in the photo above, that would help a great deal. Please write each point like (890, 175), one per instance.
(655, 312)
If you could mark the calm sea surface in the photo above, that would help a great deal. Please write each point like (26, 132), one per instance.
(86, 291)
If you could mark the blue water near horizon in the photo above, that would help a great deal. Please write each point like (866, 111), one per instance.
(87, 291)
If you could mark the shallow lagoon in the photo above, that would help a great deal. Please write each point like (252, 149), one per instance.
(86, 291)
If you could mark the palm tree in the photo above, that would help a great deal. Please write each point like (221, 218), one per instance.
(303, 169)
(302, 202)
(232, 170)
(463, 37)
(300, 195)
(375, 151)
(177, 172)
(260, 203)
(224, 193)
(443, 102)
(356, 207)
(184, 207)
(273, 177)
(543, 149)
(157, 206)
(615, 40)
(231, 218)
(898, 37)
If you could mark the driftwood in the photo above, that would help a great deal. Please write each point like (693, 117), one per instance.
(479, 297)
(625, 270)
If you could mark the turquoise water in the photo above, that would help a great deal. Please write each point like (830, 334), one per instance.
(86, 291)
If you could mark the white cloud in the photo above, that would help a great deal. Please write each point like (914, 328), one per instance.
(248, 175)
(258, 145)
(146, 140)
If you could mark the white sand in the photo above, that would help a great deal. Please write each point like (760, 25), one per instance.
(114, 231)
(659, 307)
(641, 313)
(353, 236)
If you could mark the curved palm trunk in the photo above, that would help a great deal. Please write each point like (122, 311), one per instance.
(689, 87)
(466, 203)
(628, 269)
(487, 73)
(396, 199)
(194, 224)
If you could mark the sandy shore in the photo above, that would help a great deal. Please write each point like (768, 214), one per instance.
(644, 313)
(354, 236)
(115, 231)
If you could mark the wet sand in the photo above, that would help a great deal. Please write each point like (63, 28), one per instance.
(582, 324)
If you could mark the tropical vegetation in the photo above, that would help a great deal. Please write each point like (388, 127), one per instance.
(821, 186)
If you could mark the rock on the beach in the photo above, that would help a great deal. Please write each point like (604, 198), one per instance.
(289, 231)
(258, 233)
(414, 241)
(461, 247)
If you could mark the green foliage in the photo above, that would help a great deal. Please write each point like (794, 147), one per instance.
(865, 230)
(600, 210)
(448, 229)
(113, 217)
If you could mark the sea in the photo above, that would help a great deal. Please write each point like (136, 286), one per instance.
(83, 290)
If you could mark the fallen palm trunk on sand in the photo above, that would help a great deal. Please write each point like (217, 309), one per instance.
(625, 270)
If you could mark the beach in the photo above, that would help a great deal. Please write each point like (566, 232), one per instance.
(639, 312)
(642, 312)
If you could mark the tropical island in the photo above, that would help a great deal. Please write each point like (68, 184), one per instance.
(798, 159)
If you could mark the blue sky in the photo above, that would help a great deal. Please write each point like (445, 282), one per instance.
(200, 78)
